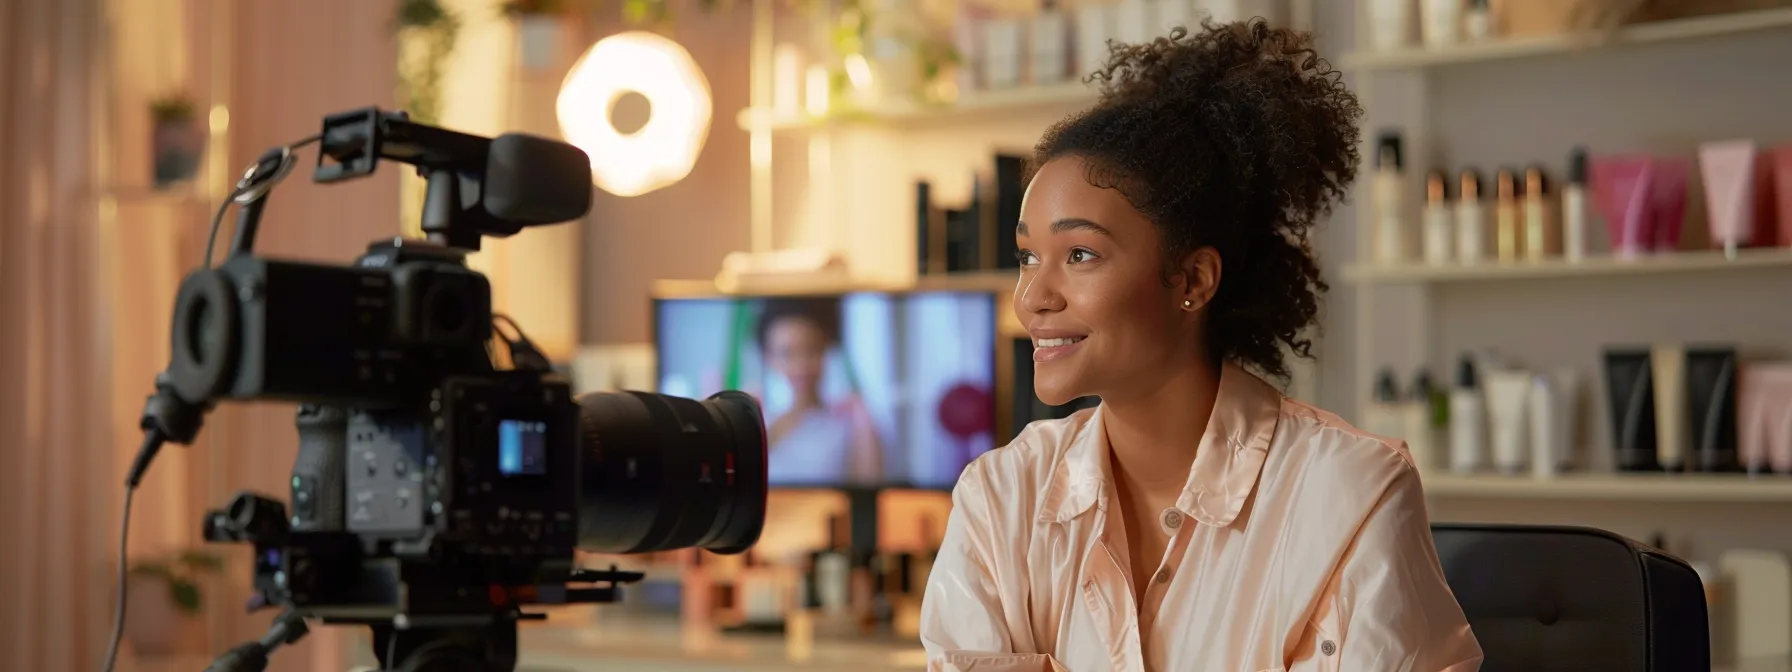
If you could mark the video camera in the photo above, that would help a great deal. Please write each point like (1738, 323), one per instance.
(435, 495)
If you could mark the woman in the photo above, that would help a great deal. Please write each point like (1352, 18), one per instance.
(813, 442)
(1196, 520)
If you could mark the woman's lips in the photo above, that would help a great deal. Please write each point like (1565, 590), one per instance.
(1051, 349)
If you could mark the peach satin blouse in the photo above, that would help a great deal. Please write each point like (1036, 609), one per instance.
(1299, 543)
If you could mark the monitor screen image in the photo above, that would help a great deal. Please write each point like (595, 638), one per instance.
(865, 389)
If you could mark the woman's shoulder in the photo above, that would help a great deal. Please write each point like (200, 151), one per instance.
(1321, 444)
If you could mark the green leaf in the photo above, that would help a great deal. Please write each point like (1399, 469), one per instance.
(186, 596)
(201, 561)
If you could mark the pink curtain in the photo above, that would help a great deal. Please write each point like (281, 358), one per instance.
(89, 261)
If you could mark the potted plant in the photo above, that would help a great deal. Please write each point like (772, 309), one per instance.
(165, 597)
(177, 140)
(428, 32)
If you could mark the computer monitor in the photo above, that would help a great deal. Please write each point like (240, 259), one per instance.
(863, 389)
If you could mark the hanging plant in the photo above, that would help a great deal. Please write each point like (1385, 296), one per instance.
(180, 572)
(427, 32)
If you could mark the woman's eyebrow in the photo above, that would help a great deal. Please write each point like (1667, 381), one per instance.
(1068, 224)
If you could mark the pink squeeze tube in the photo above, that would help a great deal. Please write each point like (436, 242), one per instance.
(1622, 191)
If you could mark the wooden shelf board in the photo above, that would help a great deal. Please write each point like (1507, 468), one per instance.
(1522, 47)
(1676, 262)
(970, 106)
(1721, 488)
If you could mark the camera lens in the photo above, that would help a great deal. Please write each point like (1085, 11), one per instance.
(662, 473)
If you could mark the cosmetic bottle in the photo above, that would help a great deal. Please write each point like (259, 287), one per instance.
(1574, 207)
(1544, 412)
(1390, 229)
(1711, 402)
(1539, 227)
(1468, 421)
(1477, 19)
(1508, 406)
(1505, 215)
(1630, 394)
(1391, 23)
(1384, 413)
(1667, 366)
(1441, 22)
(1438, 224)
(1471, 220)
(833, 573)
(1418, 424)
(1048, 49)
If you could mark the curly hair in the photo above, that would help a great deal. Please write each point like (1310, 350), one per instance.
(1236, 137)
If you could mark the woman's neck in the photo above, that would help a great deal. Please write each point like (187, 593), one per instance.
(1154, 433)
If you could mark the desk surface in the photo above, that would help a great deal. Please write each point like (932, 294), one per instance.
(625, 645)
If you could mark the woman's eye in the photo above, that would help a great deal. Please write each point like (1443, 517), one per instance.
(1025, 258)
(1080, 255)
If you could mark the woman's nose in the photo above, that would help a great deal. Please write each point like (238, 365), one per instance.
(1038, 291)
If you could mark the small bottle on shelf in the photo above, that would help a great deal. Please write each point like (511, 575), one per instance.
(1477, 21)
(1507, 227)
(1539, 226)
(1471, 220)
(1384, 412)
(1439, 228)
(1574, 207)
(1390, 227)
(1417, 415)
(1468, 420)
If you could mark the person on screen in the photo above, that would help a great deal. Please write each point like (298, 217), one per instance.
(814, 441)
(1196, 519)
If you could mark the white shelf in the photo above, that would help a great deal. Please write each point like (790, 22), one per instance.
(1642, 33)
(1714, 488)
(1675, 262)
(971, 106)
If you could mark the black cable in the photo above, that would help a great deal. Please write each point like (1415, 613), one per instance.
(152, 443)
(243, 187)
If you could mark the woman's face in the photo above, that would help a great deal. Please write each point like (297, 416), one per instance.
(795, 348)
(1091, 291)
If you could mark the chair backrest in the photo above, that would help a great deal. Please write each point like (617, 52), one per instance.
(1574, 598)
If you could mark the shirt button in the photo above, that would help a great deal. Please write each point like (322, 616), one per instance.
(1163, 576)
(1172, 518)
(1328, 648)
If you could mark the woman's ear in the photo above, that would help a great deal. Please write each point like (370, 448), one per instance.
(1201, 271)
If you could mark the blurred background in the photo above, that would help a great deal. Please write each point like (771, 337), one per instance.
(1562, 277)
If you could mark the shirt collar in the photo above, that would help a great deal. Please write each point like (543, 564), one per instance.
(1227, 462)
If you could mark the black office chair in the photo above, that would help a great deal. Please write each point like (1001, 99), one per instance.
(1543, 598)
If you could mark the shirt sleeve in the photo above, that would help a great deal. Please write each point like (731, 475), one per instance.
(963, 623)
(1396, 608)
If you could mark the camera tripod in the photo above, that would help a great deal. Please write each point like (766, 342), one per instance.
(438, 643)
(487, 648)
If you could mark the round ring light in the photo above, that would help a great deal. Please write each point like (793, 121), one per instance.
(631, 67)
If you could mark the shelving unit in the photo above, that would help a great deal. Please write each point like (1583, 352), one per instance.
(1679, 262)
(1638, 487)
(1524, 47)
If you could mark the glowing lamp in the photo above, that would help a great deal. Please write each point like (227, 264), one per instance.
(631, 156)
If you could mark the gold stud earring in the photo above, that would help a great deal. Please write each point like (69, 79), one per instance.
(1188, 305)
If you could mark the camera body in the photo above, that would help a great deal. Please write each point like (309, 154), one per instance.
(414, 451)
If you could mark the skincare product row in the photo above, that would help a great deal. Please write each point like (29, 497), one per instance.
(971, 237)
(1465, 221)
(1513, 420)
(1523, 216)
(1056, 45)
(1403, 24)
(1674, 407)
(1494, 417)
